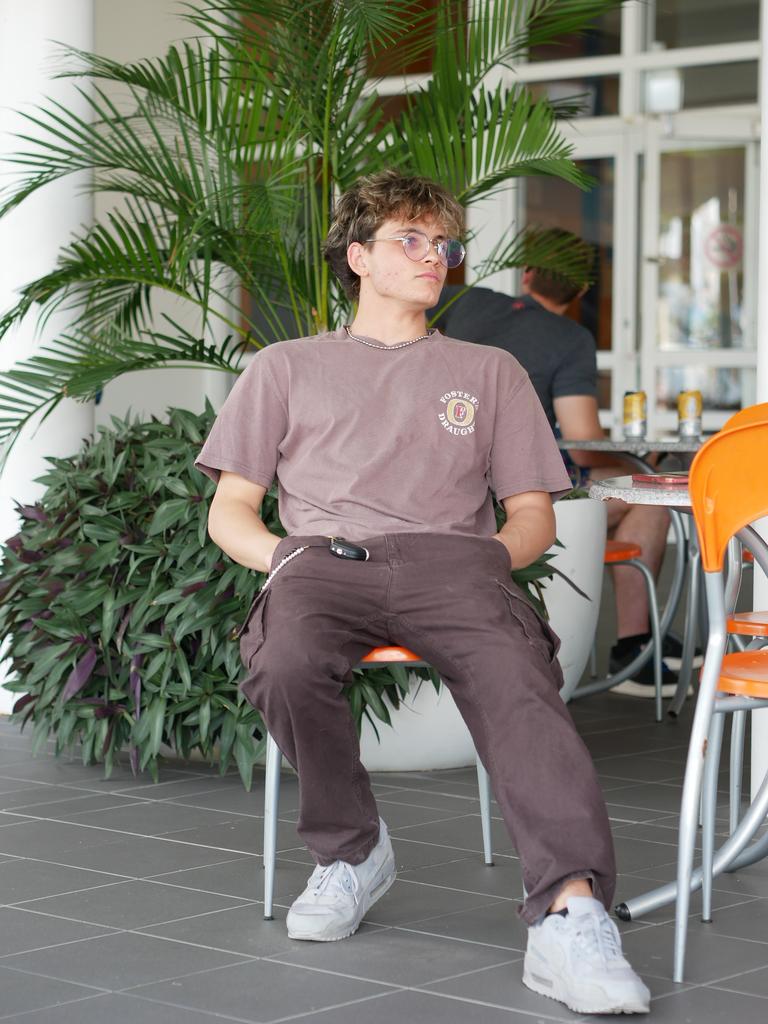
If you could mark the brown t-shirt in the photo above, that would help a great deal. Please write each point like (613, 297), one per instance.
(365, 441)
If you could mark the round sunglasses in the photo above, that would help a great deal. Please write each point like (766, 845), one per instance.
(416, 245)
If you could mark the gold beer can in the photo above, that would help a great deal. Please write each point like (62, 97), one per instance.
(635, 416)
(689, 414)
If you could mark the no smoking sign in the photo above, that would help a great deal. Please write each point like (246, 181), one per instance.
(724, 247)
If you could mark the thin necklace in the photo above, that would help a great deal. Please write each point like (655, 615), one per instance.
(401, 344)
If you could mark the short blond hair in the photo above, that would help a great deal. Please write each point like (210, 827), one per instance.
(375, 198)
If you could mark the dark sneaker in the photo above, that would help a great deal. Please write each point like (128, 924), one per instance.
(338, 895)
(672, 653)
(642, 684)
(577, 960)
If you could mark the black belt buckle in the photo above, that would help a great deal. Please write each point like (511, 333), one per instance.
(344, 549)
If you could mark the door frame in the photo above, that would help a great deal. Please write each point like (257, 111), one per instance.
(699, 130)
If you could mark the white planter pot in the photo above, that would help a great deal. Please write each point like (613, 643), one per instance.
(428, 732)
(581, 528)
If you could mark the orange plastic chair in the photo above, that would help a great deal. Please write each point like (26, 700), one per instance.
(619, 552)
(391, 656)
(751, 623)
(728, 484)
(750, 627)
(751, 414)
(387, 655)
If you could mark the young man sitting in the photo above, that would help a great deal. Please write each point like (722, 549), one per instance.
(393, 438)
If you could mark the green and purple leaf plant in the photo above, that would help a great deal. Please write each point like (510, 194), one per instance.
(120, 613)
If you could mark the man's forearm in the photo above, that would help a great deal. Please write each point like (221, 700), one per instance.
(241, 533)
(526, 535)
(591, 460)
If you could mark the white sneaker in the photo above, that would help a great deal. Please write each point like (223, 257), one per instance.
(631, 688)
(338, 896)
(577, 960)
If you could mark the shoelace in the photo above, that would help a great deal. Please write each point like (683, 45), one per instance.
(596, 937)
(336, 876)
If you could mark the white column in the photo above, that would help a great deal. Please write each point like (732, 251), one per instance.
(31, 235)
(760, 592)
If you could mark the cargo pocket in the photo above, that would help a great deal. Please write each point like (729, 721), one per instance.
(251, 633)
(536, 630)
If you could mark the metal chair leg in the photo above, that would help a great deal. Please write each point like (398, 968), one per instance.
(709, 806)
(272, 801)
(689, 633)
(271, 804)
(657, 623)
(484, 790)
(733, 855)
(694, 769)
(738, 727)
(653, 621)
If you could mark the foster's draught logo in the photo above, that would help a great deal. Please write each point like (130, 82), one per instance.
(458, 412)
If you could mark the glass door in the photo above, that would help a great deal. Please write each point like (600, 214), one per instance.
(697, 312)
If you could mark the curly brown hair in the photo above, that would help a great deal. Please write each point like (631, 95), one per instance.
(364, 207)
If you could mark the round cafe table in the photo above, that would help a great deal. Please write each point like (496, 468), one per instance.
(634, 450)
(676, 499)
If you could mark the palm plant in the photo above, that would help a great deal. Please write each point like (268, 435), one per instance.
(226, 155)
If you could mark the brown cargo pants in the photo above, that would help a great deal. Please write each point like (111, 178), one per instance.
(451, 600)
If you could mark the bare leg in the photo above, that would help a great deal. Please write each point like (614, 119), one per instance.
(576, 887)
(647, 527)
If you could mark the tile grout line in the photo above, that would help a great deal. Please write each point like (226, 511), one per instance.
(54, 1006)
(154, 924)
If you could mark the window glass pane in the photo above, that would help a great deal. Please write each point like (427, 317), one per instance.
(604, 388)
(720, 84)
(702, 22)
(700, 250)
(551, 202)
(721, 387)
(668, 90)
(604, 36)
(592, 96)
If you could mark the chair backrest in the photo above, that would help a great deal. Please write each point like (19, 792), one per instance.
(751, 414)
(728, 484)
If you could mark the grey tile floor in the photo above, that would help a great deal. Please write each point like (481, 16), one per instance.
(123, 901)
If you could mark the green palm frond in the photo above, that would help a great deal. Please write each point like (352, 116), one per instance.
(283, 28)
(171, 147)
(226, 153)
(550, 21)
(107, 275)
(495, 138)
(474, 40)
(564, 253)
(74, 367)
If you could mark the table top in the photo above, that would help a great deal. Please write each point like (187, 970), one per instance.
(626, 489)
(634, 445)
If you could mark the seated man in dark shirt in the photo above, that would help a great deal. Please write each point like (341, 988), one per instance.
(559, 356)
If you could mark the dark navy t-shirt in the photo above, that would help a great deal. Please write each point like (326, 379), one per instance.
(558, 354)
